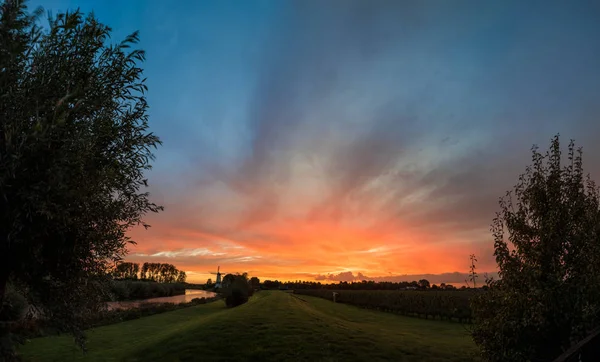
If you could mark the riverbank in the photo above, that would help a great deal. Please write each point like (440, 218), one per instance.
(187, 296)
(122, 290)
(127, 311)
(272, 326)
(144, 309)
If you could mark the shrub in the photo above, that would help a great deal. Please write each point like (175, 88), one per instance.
(14, 305)
(237, 292)
(236, 296)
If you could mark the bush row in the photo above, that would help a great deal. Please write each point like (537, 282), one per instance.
(447, 305)
(138, 289)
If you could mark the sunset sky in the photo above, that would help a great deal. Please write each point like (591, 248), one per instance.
(317, 140)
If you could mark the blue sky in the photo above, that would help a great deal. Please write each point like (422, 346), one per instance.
(351, 136)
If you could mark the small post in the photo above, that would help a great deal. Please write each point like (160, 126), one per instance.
(334, 296)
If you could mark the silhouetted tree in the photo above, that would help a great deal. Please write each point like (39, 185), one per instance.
(362, 285)
(74, 144)
(227, 279)
(144, 271)
(181, 277)
(126, 270)
(271, 284)
(237, 290)
(472, 270)
(161, 273)
(255, 282)
(424, 284)
(546, 240)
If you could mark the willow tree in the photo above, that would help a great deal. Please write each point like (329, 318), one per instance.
(547, 247)
(74, 146)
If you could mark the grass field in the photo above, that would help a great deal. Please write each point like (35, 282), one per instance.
(272, 326)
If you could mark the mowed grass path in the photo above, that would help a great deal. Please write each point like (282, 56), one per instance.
(273, 326)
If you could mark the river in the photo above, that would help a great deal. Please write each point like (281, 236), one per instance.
(176, 299)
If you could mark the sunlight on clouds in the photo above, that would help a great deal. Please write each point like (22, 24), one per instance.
(187, 252)
(379, 148)
(245, 259)
(376, 250)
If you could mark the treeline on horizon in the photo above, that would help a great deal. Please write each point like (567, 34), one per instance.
(155, 272)
(151, 280)
(127, 289)
(451, 305)
(422, 284)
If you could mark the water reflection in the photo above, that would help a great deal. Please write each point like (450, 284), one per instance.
(176, 299)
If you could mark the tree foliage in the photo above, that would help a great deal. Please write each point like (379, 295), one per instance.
(236, 290)
(255, 282)
(228, 279)
(547, 247)
(74, 146)
(181, 277)
(138, 289)
(362, 285)
(162, 273)
(273, 284)
(126, 270)
(473, 271)
(424, 284)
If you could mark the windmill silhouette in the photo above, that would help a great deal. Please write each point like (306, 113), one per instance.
(218, 274)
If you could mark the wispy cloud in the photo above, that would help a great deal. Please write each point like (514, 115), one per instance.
(186, 252)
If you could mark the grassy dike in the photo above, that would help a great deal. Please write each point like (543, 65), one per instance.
(272, 326)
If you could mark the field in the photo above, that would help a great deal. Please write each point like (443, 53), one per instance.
(272, 326)
(447, 305)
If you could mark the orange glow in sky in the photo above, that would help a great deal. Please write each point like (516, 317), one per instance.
(320, 140)
(323, 242)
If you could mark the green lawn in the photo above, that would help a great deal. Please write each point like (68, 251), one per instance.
(273, 326)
